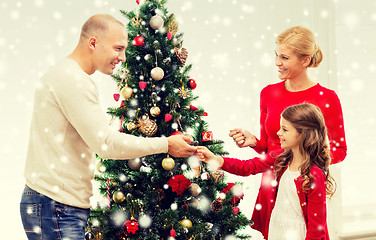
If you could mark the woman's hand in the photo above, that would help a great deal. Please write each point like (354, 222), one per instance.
(205, 155)
(243, 138)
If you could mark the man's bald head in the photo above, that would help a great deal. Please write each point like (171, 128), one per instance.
(97, 26)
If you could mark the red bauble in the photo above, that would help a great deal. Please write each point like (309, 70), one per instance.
(138, 41)
(169, 35)
(235, 210)
(177, 133)
(142, 85)
(131, 226)
(192, 83)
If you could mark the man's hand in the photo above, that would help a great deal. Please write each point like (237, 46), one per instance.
(243, 138)
(178, 146)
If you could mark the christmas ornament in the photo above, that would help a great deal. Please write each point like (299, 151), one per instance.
(217, 175)
(136, 21)
(186, 223)
(192, 83)
(216, 206)
(207, 136)
(197, 170)
(155, 111)
(131, 227)
(181, 54)
(161, 194)
(147, 126)
(173, 233)
(237, 195)
(169, 35)
(195, 189)
(100, 167)
(179, 183)
(138, 2)
(173, 26)
(184, 93)
(157, 73)
(168, 163)
(138, 41)
(193, 108)
(118, 196)
(177, 133)
(156, 22)
(108, 191)
(126, 92)
(168, 117)
(131, 126)
(235, 210)
(135, 164)
(89, 236)
(116, 96)
(142, 85)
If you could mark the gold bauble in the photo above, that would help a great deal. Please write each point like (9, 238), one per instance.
(155, 111)
(147, 127)
(195, 189)
(157, 73)
(186, 223)
(126, 92)
(100, 167)
(118, 196)
(156, 22)
(131, 126)
(168, 163)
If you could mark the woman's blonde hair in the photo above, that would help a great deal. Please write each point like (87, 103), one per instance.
(308, 120)
(302, 41)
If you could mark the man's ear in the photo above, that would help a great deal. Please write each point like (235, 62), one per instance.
(93, 41)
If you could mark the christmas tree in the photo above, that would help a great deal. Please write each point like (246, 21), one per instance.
(158, 197)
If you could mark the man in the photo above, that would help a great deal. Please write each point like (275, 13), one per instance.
(68, 127)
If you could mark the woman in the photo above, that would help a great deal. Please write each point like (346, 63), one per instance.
(296, 51)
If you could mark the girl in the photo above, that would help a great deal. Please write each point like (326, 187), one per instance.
(297, 209)
(296, 51)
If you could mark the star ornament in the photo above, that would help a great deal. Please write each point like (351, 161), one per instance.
(184, 93)
(136, 21)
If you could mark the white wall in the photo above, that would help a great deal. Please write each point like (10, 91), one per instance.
(231, 46)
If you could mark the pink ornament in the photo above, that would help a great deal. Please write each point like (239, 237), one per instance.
(173, 233)
(235, 210)
(169, 35)
(142, 85)
(116, 96)
(138, 41)
(168, 117)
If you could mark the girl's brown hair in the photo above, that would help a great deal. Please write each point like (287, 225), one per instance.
(302, 41)
(308, 120)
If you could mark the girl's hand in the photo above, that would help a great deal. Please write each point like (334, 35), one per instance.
(243, 138)
(205, 155)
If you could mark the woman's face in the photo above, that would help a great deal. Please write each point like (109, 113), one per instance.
(288, 63)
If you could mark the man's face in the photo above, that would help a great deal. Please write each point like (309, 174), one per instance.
(110, 49)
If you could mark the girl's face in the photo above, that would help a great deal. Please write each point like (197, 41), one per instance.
(288, 63)
(288, 135)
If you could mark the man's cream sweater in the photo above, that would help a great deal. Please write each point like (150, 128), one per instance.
(68, 127)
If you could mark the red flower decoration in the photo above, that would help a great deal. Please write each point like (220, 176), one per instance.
(179, 184)
(235, 199)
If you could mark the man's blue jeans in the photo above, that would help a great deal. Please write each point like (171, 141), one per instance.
(44, 218)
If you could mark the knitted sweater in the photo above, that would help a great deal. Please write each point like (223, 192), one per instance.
(68, 127)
